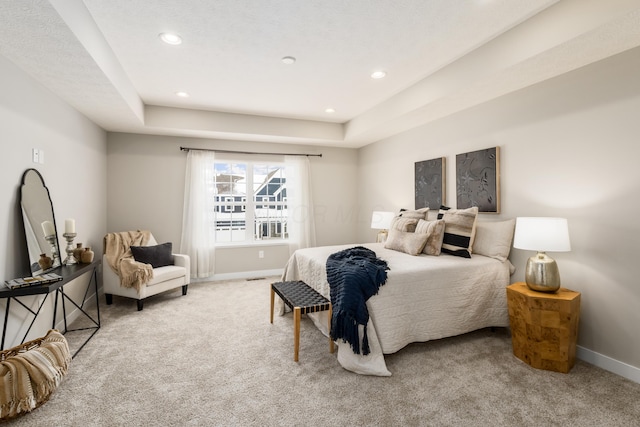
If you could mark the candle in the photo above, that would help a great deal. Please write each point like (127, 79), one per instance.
(48, 229)
(70, 226)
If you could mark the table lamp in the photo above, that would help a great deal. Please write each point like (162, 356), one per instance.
(542, 234)
(382, 221)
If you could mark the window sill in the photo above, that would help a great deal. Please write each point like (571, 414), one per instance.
(228, 245)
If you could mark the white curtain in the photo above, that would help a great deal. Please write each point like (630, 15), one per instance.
(301, 222)
(198, 223)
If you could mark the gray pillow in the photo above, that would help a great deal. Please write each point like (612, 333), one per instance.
(435, 232)
(416, 214)
(403, 241)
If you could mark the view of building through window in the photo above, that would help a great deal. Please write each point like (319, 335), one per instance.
(250, 202)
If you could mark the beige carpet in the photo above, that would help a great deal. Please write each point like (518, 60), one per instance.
(211, 358)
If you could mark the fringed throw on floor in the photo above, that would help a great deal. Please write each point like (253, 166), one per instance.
(354, 275)
(30, 372)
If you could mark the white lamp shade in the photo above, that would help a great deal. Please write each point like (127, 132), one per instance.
(542, 234)
(381, 220)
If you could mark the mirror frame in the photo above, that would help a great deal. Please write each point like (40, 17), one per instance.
(37, 244)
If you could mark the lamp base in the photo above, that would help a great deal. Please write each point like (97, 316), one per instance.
(542, 274)
(382, 236)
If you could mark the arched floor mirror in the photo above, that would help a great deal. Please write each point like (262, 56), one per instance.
(39, 223)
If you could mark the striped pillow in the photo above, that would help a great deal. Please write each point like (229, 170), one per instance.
(459, 230)
(403, 224)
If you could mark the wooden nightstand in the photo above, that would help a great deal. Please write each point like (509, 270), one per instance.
(544, 326)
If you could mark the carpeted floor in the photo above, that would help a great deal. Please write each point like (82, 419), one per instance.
(212, 358)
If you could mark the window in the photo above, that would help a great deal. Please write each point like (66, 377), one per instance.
(258, 215)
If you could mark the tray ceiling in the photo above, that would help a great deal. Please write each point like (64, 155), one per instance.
(441, 56)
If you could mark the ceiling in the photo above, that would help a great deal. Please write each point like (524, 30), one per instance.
(441, 56)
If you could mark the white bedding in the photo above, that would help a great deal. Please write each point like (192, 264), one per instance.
(425, 298)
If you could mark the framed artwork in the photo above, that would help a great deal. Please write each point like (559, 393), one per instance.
(478, 180)
(430, 183)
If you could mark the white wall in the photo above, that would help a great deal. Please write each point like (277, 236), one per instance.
(74, 171)
(569, 148)
(146, 191)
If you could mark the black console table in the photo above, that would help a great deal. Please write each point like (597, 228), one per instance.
(68, 274)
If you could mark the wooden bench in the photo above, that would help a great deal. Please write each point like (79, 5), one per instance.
(302, 299)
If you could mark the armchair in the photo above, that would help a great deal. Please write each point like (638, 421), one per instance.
(164, 278)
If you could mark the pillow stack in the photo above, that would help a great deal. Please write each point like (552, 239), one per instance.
(455, 232)
(402, 236)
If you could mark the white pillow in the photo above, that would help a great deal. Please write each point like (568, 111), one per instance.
(493, 239)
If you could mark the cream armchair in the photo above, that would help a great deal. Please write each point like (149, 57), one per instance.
(164, 279)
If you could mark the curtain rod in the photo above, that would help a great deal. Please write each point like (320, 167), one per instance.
(249, 152)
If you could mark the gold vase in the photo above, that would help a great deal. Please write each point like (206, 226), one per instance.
(87, 255)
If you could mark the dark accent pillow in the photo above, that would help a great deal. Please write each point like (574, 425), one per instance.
(157, 256)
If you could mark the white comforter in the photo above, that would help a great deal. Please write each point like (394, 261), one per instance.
(425, 298)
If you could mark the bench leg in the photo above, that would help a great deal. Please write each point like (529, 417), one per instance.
(331, 344)
(296, 333)
(273, 293)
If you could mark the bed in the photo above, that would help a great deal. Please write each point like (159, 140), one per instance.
(425, 298)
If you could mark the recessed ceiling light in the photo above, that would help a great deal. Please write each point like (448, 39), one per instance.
(289, 60)
(170, 38)
(329, 110)
(378, 74)
(182, 94)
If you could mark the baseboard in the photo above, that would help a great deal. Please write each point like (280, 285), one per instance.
(609, 364)
(242, 275)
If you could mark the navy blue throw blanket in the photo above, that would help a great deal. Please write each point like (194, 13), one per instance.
(354, 275)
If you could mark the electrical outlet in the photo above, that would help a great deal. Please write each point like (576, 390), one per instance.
(260, 254)
(35, 155)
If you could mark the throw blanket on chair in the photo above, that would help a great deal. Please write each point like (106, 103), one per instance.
(354, 275)
(132, 274)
